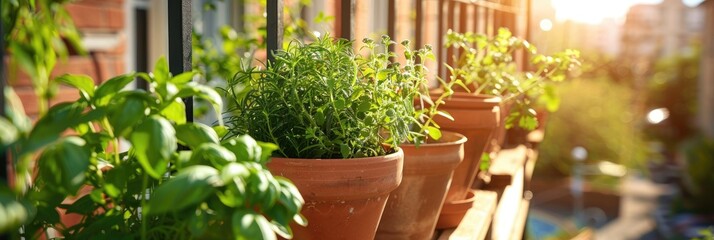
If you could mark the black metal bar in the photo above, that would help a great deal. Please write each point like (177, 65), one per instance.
(3, 155)
(347, 19)
(418, 25)
(391, 21)
(180, 28)
(274, 10)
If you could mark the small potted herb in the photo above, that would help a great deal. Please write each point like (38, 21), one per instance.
(430, 155)
(497, 93)
(490, 68)
(337, 119)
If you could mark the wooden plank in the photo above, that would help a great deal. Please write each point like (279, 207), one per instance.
(477, 220)
(508, 206)
(505, 166)
(519, 225)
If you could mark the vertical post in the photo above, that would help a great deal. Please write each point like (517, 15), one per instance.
(3, 155)
(274, 10)
(180, 28)
(391, 21)
(418, 25)
(347, 19)
(440, 39)
(450, 24)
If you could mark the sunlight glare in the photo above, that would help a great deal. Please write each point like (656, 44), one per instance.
(546, 25)
(657, 115)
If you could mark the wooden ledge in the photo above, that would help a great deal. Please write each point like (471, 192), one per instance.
(477, 220)
(506, 164)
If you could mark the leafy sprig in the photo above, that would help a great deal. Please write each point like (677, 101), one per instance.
(488, 66)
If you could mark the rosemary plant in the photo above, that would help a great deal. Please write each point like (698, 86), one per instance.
(321, 100)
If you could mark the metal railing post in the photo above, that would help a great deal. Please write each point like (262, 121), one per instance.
(274, 10)
(347, 19)
(180, 30)
(3, 155)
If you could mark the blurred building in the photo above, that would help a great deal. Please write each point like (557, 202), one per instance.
(706, 77)
(657, 30)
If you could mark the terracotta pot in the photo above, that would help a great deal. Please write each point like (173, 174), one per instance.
(344, 198)
(412, 209)
(499, 137)
(453, 212)
(476, 117)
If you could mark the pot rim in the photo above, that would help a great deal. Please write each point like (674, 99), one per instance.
(388, 156)
(461, 140)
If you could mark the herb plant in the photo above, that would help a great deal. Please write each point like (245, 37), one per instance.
(487, 66)
(321, 100)
(152, 191)
(37, 34)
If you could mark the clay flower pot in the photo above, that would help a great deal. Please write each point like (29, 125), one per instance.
(344, 198)
(476, 117)
(454, 212)
(413, 208)
(500, 134)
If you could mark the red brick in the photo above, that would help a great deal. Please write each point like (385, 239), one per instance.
(101, 2)
(110, 65)
(73, 65)
(65, 94)
(29, 101)
(92, 16)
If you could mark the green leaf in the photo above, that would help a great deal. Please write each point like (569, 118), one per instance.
(9, 134)
(13, 212)
(245, 148)
(550, 98)
(445, 114)
(266, 150)
(65, 163)
(383, 74)
(214, 154)
(130, 111)
(83, 83)
(190, 187)
(194, 134)
(58, 119)
(206, 93)
(485, 162)
(433, 132)
(220, 130)
(83, 205)
(183, 78)
(111, 87)
(234, 170)
(345, 150)
(175, 111)
(154, 142)
(249, 225)
(161, 72)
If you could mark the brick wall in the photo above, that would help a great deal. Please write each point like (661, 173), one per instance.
(101, 23)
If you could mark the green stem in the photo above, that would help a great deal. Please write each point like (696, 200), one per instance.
(144, 185)
(115, 140)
